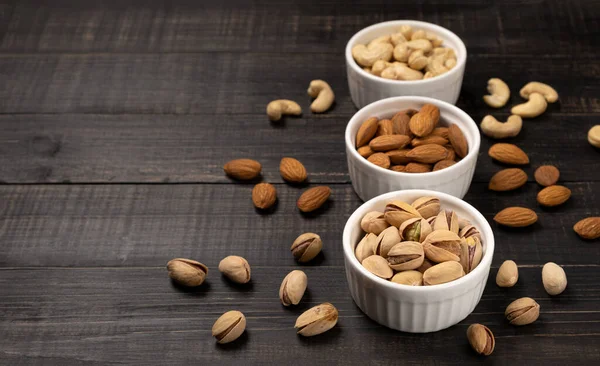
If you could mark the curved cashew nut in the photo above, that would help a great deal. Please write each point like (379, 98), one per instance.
(544, 89)
(367, 55)
(401, 52)
(401, 72)
(493, 128)
(279, 107)
(397, 38)
(382, 39)
(381, 65)
(322, 91)
(534, 107)
(499, 93)
(594, 136)
(406, 30)
(420, 44)
(417, 60)
(436, 65)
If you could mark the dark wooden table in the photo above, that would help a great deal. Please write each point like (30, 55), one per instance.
(116, 118)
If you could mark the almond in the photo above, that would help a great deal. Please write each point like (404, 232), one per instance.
(588, 228)
(398, 156)
(428, 154)
(516, 217)
(442, 164)
(366, 131)
(508, 154)
(417, 168)
(440, 131)
(409, 112)
(264, 195)
(389, 142)
(400, 123)
(451, 153)
(292, 170)
(365, 151)
(384, 127)
(398, 168)
(508, 179)
(242, 169)
(458, 141)
(431, 139)
(553, 196)
(546, 175)
(422, 123)
(380, 159)
(313, 198)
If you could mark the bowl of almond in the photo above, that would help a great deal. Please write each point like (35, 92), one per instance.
(417, 260)
(411, 143)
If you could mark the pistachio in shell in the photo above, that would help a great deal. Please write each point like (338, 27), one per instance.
(442, 246)
(378, 266)
(317, 320)
(229, 326)
(443, 273)
(235, 268)
(406, 255)
(508, 274)
(446, 220)
(306, 247)
(396, 212)
(481, 339)
(293, 287)
(187, 272)
(374, 222)
(366, 247)
(471, 252)
(469, 231)
(415, 229)
(427, 206)
(522, 311)
(410, 278)
(386, 240)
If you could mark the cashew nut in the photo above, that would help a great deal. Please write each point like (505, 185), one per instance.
(420, 44)
(428, 75)
(323, 93)
(420, 34)
(534, 107)
(417, 60)
(401, 52)
(279, 107)
(499, 93)
(436, 65)
(544, 89)
(367, 55)
(382, 39)
(381, 65)
(406, 30)
(397, 38)
(450, 63)
(367, 69)
(493, 128)
(594, 136)
(401, 72)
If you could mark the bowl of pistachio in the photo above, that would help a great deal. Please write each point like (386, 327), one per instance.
(417, 260)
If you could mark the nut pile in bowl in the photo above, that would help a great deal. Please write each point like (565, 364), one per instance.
(416, 55)
(411, 142)
(418, 244)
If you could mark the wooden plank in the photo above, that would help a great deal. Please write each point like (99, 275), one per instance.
(146, 225)
(141, 148)
(298, 26)
(135, 315)
(226, 83)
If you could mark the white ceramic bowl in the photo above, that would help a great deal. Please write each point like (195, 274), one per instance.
(416, 309)
(370, 180)
(366, 88)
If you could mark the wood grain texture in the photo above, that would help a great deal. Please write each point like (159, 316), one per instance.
(146, 225)
(191, 149)
(116, 118)
(227, 83)
(491, 27)
(135, 315)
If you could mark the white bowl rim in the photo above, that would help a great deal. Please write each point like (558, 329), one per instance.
(486, 231)
(473, 150)
(460, 61)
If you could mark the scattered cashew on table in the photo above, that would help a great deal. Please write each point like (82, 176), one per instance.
(493, 128)
(323, 93)
(277, 108)
(499, 93)
(539, 95)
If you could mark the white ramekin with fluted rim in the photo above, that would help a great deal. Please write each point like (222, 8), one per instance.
(366, 88)
(369, 180)
(416, 309)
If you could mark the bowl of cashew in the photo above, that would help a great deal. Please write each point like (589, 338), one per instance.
(367, 86)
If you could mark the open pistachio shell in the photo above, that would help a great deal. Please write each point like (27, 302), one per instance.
(427, 206)
(471, 252)
(374, 222)
(366, 247)
(442, 273)
(406, 256)
(396, 212)
(442, 246)
(317, 320)
(386, 240)
(415, 229)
